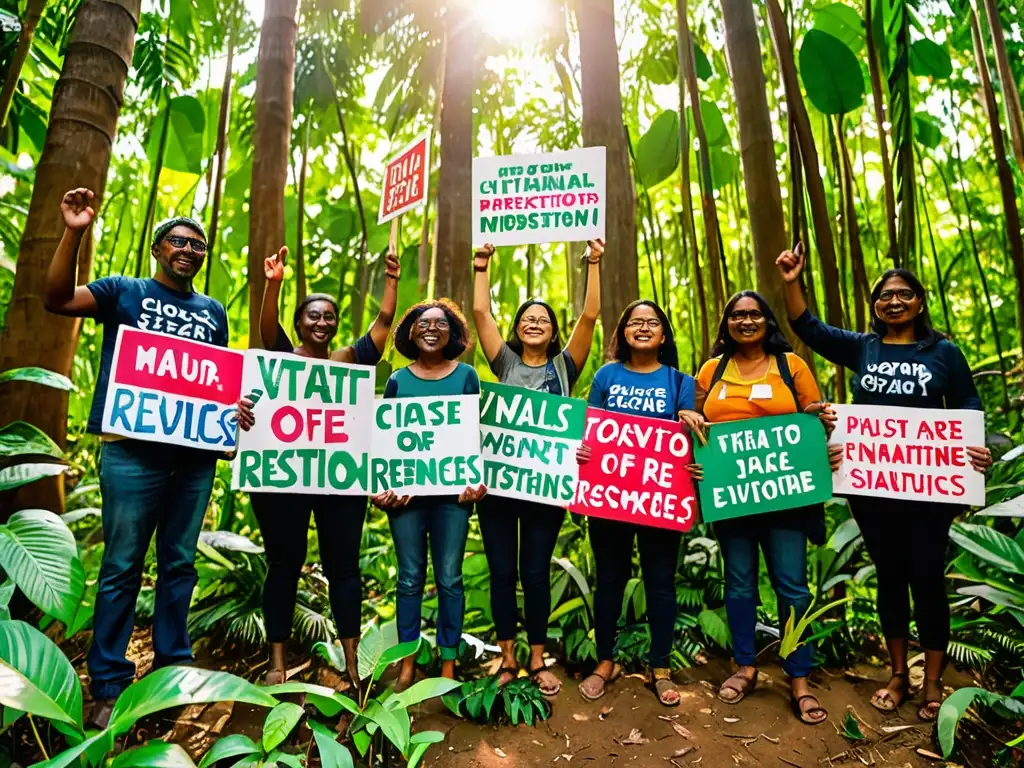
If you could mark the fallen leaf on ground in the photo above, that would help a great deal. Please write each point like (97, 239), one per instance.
(682, 731)
(706, 711)
(929, 755)
(499, 753)
(537, 743)
(605, 711)
(579, 717)
(668, 718)
(682, 752)
(635, 738)
(731, 720)
(897, 728)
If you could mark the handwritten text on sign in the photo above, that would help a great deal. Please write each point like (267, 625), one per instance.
(763, 465)
(636, 472)
(313, 426)
(523, 199)
(909, 453)
(172, 390)
(528, 443)
(427, 446)
(405, 180)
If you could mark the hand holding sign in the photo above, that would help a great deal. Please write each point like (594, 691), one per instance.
(981, 459)
(826, 415)
(594, 252)
(697, 424)
(274, 266)
(389, 501)
(246, 420)
(472, 495)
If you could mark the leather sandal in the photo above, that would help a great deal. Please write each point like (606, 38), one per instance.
(616, 671)
(802, 714)
(514, 671)
(929, 710)
(746, 685)
(662, 683)
(535, 672)
(896, 696)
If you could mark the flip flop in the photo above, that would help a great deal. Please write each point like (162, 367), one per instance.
(802, 714)
(890, 693)
(928, 712)
(748, 686)
(533, 677)
(616, 671)
(662, 683)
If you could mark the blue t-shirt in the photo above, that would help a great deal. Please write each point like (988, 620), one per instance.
(152, 306)
(660, 394)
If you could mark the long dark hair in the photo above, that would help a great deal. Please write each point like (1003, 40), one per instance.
(516, 344)
(668, 355)
(774, 341)
(299, 310)
(923, 330)
(458, 330)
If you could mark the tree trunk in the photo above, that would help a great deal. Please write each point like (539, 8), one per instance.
(877, 99)
(902, 119)
(1011, 96)
(300, 220)
(221, 154)
(423, 256)
(455, 180)
(1006, 187)
(602, 126)
(154, 189)
(272, 130)
(33, 11)
(861, 291)
(83, 119)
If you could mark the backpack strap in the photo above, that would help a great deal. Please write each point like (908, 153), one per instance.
(723, 363)
(787, 377)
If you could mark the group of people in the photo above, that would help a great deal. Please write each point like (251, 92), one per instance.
(153, 488)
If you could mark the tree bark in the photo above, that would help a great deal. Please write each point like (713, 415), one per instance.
(877, 99)
(33, 12)
(300, 220)
(1011, 96)
(603, 126)
(221, 154)
(861, 291)
(83, 119)
(272, 130)
(154, 189)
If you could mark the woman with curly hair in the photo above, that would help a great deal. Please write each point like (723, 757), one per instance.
(432, 335)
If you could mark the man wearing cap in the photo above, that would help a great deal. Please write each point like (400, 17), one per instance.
(147, 487)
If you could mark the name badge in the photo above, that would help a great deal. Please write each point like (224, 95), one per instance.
(721, 393)
(761, 392)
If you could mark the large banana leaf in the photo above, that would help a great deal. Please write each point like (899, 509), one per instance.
(45, 666)
(235, 745)
(37, 376)
(279, 723)
(990, 545)
(38, 552)
(375, 640)
(20, 693)
(155, 754)
(18, 475)
(20, 438)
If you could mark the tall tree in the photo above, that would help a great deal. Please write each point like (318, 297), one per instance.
(878, 102)
(275, 74)
(1011, 96)
(603, 126)
(220, 152)
(83, 120)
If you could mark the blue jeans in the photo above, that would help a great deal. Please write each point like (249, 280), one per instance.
(146, 488)
(447, 525)
(785, 552)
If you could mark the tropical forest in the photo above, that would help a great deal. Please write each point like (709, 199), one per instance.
(225, 164)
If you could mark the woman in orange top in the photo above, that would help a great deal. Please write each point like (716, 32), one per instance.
(754, 373)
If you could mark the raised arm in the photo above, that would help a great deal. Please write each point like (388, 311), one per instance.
(791, 264)
(486, 329)
(389, 301)
(269, 316)
(60, 294)
(583, 333)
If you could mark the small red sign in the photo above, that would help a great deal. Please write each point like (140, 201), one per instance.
(637, 471)
(405, 181)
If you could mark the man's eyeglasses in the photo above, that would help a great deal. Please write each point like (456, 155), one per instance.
(198, 246)
(904, 294)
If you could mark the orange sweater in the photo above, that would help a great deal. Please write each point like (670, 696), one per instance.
(730, 398)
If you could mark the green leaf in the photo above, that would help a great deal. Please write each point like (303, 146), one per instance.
(44, 665)
(1014, 599)
(332, 653)
(375, 640)
(701, 64)
(279, 723)
(953, 708)
(929, 59)
(715, 626)
(326, 700)
(842, 22)
(725, 166)
(176, 686)
(661, 66)
(103, 739)
(831, 73)
(38, 376)
(18, 692)
(184, 149)
(18, 475)
(155, 754)
(421, 691)
(235, 745)
(714, 124)
(657, 152)
(393, 654)
(394, 724)
(927, 130)
(851, 728)
(20, 438)
(332, 754)
(990, 545)
(40, 554)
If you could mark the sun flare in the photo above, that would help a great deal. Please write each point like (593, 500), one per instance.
(512, 20)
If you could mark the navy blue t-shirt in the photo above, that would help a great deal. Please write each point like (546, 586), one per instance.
(152, 306)
(660, 394)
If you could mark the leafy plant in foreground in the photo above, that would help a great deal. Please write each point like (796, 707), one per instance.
(521, 701)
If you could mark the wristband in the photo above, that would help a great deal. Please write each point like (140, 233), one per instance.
(479, 269)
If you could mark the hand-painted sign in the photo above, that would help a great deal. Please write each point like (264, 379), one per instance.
(168, 389)
(426, 446)
(763, 465)
(405, 180)
(636, 472)
(313, 422)
(528, 443)
(523, 199)
(915, 454)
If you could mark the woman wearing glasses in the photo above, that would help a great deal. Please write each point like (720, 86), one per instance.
(644, 380)
(902, 362)
(284, 518)
(432, 335)
(518, 531)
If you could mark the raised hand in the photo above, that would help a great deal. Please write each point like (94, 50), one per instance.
(696, 471)
(78, 209)
(981, 459)
(594, 252)
(472, 495)
(791, 263)
(274, 266)
(482, 257)
(392, 266)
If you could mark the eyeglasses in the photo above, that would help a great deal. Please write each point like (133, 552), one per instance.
(198, 246)
(426, 325)
(327, 317)
(641, 322)
(904, 294)
(535, 321)
(739, 315)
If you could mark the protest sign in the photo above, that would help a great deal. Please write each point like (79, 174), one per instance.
(313, 426)
(636, 471)
(405, 180)
(916, 454)
(528, 443)
(172, 390)
(763, 465)
(426, 446)
(523, 199)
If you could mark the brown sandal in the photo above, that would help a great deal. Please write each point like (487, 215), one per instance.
(747, 685)
(890, 693)
(616, 671)
(662, 683)
(929, 711)
(535, 679)
(803, 714)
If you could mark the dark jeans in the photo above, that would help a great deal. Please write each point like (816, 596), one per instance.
(907, 541)
(147, 488)
(446, 524)
(612, 542)
(526, 532)
(785, 553)
(284, 521)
